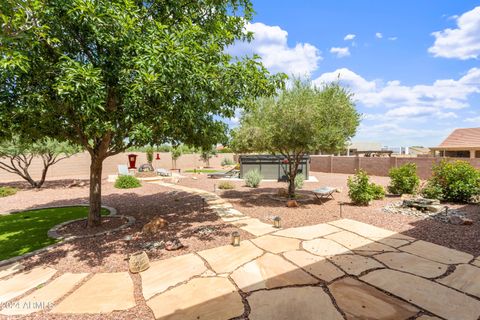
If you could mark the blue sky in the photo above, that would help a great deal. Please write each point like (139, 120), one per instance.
(412, 65)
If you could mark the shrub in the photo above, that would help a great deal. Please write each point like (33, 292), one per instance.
(456, 181)
(7, 191)
(227, 162)
(299, 180)
(362, 191)
(226, 185)
(253, 178)
(149, 154)
(127, 182)
(404, 179)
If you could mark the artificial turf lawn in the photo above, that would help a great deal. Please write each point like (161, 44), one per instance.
(203, 170)
(26, 231)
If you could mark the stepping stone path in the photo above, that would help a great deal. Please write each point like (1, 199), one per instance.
(354, 264)
(465, 278)
(276, 244)
(324, 247)
(437, 253)
(308, 232)
(23, 282)
(358, 244)
(319, 267)
(10, 269)
(403, 261)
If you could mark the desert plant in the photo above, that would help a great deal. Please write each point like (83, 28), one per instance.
(227, 162)
(226, 185)
(127, 182)
(432, 191)
(149, 154)
(177, 152)
(7, 191)
(299, 180)
(362, 191)
(404, 179)
(253, 178)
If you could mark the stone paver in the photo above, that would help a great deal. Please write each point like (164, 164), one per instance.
(200, 298)
(228, 258)
(359, 244)
(320, 267)
(324, 247)
(437, 253)
(308, 232)
(103, 293)
(44, 297)
(361, 301)
(276, 244)
(425, 317)
(163, 274)
(269, 271)
(306, 303)
(413, 264)
(254, 226)
(433, 297)
(22, 282)
(465, 278)
(10, 269)
(476, 262)
(355, 264)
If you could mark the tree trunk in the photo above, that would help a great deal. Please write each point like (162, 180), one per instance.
(94, 216)
(291, 178)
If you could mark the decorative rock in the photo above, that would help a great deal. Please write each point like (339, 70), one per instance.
(465, 278)
(22, 282)
(358, 244)
(306, 303)
(173, 245)
(437, 253)
(476, 262)
(276, 244)
(315, 265)
(138, 262)
(254, 226)
(154, 226)
(308, 232)
(324, 247)
(292, 204)
(355, 264)
(413, 264)
(460, 220)
(361, 301)
(153, 245)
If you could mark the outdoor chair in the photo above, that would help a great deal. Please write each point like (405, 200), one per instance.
(123, 170)
(163, 172)
(229, 174)
(323, 193)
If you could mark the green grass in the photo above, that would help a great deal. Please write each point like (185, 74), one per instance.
(203, 170)
(26, 231)
(7, 191)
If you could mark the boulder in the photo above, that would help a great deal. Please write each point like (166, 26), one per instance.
(292, 203)
(154, 226)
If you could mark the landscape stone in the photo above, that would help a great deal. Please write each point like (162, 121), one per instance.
(437, 253)
(320, 267)
(413, 264)
(276, 244)
(254, 226)
(324, 247)
(361, 301)
(269, 271)
(228, 258)
(163, 274)
(465, 278)
(359, 244)
(476, 262)
(425, 317)
(103, 293)
(10, 269)
(308, 232)
(306, 303)
(23, 282)
(355, 264)
(44, 297)
(200, 298)
(431, 296)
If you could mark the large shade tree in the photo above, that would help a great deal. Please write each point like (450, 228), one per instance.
(302, 119)
(111, 74)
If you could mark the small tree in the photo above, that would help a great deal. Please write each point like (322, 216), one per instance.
(177, 152)
(404, 179)
(206, 154)
(149, 154)
(299, 121)
(16, 156)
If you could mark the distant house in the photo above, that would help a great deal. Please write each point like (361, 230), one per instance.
(461, 143)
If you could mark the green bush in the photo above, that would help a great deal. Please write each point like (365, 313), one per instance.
(362, 191)
(127, 182)
(149, 154)
(456, 181)
(404, 179)
(227, 162)
(226, 185)
(253, 178)
(7, 191)
(299, 180)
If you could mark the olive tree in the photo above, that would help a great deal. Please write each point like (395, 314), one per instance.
(111, 74)
(300, 120)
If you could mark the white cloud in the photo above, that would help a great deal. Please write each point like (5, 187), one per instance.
(462, 42)
(349, 36)
(379, 35)
(340, 52)
(392, 38)
(473, 119)
(271, 45)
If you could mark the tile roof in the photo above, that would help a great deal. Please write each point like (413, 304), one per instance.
(468, 137)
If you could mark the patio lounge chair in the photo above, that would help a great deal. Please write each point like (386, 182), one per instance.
(324, 193)
(123, 170)
(229, 174)
(163, 172)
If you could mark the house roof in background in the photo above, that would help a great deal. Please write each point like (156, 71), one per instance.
(459, 138)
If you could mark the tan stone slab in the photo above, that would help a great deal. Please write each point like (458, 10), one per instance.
(355, 264)
(476, 262)
(308, 232)
(45, 297)
(163, 274)
(305, 303)
(234, 218)
(269, 271)
(431, 296)
(22, 282)
(465, 278)
(228, 258)
(361, 301)
(276, 244)
(413, 264)
(324, 247)
(320, 267)
(200, 298)
(10, 269)
(103, 293)
(254, 226)
(425, 317)
(437, 253)
(358, 244)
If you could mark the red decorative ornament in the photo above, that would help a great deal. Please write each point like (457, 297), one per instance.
(285, 161)
(158, 156)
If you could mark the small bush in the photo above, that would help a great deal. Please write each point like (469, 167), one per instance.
(456, 181)
(149, 154)
(127, 182)
(404, 179)
(253, 178)
(226, 185)
(362, 191)
(299, 180)
(227, 162)
(7, 191)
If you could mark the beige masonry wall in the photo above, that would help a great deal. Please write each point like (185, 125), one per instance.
(78, 166)
(376, 166)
